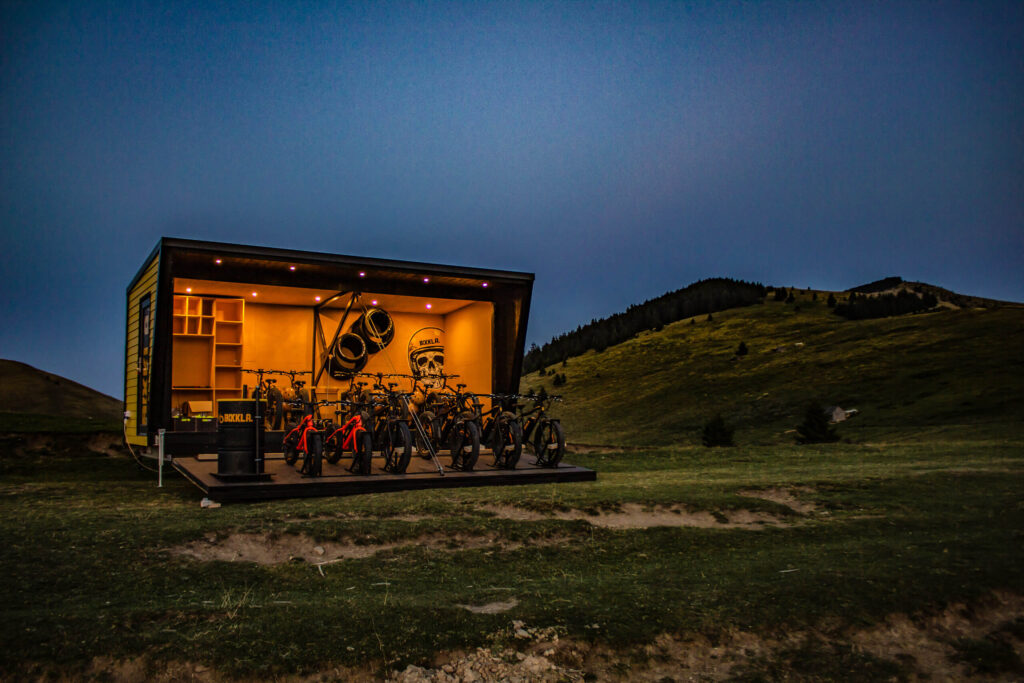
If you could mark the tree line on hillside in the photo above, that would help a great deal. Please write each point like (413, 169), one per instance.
(860, 307)
(878, 285)
(704, 296)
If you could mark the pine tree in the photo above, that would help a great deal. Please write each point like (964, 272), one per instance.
(741, 350)
(831, 300)
(717, 433)
(815, 428)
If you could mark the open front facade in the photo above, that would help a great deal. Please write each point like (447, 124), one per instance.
(201, 316)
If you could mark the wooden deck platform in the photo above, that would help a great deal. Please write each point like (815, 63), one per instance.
(287, 482)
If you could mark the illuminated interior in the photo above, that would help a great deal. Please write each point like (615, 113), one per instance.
(220, 328)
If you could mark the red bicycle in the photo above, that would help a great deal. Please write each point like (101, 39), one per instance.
(354, 437)
(305, 438)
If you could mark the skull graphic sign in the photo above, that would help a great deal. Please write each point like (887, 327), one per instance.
(426, 357)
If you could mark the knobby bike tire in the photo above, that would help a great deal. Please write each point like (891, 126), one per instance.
(401, 447)
(290, 449)
(364, 453)
(332, 448)
(549, 443)
(312, 464)
(432, 426)
(465, 445)
(514, 449)
(506, 440)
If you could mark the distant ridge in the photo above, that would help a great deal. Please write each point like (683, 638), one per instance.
(700, 298)
(26, 389)
(877, 285)
(895, 285)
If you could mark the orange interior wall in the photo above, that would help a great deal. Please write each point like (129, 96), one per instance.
(280, 338)
(470, 345)
(276, 338)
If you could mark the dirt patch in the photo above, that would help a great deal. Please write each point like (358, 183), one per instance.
(348, 516)
(922, 648)
(265, 549)
(491, 607)
(63, 445)
(784, 497)
(929, 642)
(634, 516)
(107, 444)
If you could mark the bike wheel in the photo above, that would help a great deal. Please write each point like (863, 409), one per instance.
(274, 411)
(465, 445)
(363, 455)
(432, 426)
(312, 464)
(290, 448)
(509, 435)
(549, 443)
(332, 447)
(401, 447)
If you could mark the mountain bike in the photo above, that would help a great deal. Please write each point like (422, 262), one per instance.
(391, 427)
(499, 428)
(307, 439)
(453, 420)
(543, 432)
(266, 391)
(351, 436)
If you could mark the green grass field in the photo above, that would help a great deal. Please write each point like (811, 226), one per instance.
(789, 551)
(948, 372)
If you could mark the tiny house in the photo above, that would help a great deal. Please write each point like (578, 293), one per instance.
(203, 316)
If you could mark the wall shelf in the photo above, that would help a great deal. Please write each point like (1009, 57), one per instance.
(206, 358)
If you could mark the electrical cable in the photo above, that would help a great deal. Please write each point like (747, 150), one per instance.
(129, 445)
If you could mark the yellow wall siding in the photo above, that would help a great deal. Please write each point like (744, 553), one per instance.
(145, 285)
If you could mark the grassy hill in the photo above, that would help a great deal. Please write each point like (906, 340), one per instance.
(895, 557)
(937, 373)
(35, 401)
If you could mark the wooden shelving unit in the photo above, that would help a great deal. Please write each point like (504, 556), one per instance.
(206, 361)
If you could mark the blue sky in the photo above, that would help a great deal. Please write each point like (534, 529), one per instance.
(617, 150)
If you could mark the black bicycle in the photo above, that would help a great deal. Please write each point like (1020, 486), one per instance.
(453, 420)
(499, 428)
(391, 427)
(542, 431)
(266, 391)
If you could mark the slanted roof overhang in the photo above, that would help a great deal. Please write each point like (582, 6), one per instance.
(314, 270)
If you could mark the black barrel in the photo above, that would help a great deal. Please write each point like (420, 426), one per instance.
(239, 437)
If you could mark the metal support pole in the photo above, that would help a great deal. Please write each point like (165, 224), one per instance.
(160, 452)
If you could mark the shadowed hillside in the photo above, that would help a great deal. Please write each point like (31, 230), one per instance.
(938, 372)
(34, 400)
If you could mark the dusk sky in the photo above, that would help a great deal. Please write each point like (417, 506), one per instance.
(616, 150)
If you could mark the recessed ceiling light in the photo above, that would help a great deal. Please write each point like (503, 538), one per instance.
(373, 303)
(254, 293)
(217, 261)
(484, 284)
(362, 273)
(429, 306)
(291, 267)
(426, 279)
(316, 298)
(188, 289)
